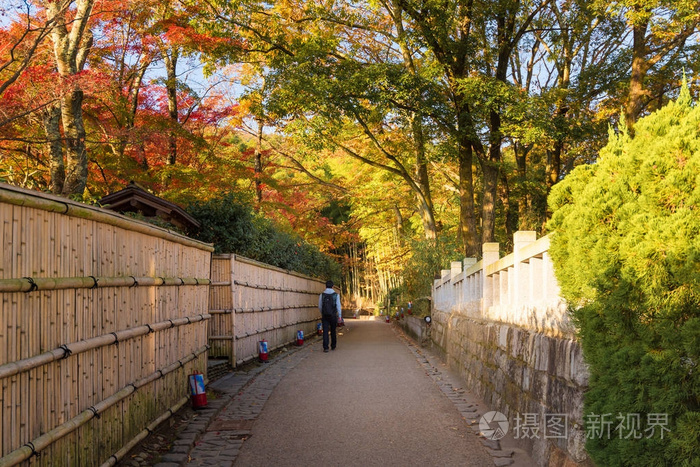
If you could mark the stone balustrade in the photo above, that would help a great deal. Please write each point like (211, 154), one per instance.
(501, 324)
(518, 289)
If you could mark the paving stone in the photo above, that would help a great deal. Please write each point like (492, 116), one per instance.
(174, 457)
(491, 443)
(501, 462)
(186, 440)
(183, 449)
(500, 452)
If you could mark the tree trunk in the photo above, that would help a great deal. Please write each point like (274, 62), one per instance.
(74, 135)
(525, 199)
(258, 163)
(510, 220)
(491, 168)
(553, 168)
(170, 58)
(52, 128)
(70, 51)
(425, 206)
(639, 71)
(467, 218)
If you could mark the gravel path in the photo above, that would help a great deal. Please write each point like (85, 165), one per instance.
(378, 399)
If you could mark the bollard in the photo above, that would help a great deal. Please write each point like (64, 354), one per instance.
(300, 337)
(199, 394)
(262, 350)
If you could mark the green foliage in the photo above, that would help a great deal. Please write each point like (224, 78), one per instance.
(226, 222)
(231, 225)
(626, 249)
(157, 221)
(427, 260)
(336, 212)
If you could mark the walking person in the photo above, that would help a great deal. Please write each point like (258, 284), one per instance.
(329, 305)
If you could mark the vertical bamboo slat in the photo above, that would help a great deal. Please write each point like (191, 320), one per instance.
(35, 242)
(269, 303)
(263, 302)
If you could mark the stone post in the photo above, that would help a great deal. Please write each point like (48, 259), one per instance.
(455, 270)
(490, 256)
(470, 291)
(522, 295)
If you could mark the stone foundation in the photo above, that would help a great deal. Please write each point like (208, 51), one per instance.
(522, 374)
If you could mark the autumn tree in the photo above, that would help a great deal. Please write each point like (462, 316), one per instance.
(72, 40)
(295, 89)
(122, 55)
(19, 44)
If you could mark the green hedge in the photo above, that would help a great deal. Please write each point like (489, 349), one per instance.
(233, 227)
(626, 251)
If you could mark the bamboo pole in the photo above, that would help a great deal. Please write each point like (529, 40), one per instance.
(117, 456)
(29, 284)
(37, 445)
(45, 202)
(13, 368)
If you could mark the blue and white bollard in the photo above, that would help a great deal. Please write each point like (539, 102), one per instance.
(262, 350)
(197, 390)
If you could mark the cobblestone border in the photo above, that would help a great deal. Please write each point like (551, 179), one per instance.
(216, 435)
(469, 411)
(223, 437)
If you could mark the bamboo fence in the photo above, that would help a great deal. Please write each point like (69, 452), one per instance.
(252, 301)
(102, 320)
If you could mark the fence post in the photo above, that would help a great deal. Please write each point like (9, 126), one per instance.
(490, 256)
(521, 292)
(455, 269)
(232, 291)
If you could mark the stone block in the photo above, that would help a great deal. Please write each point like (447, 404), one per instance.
(502, 461)
(503, 337)
(526, 379)
(514, 370)
(516, 343)
(539, 386)
(541, 353)
(578, 369)
(173, 457)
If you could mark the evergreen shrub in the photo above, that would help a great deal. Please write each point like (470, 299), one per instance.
(626, 251)
(230, 223)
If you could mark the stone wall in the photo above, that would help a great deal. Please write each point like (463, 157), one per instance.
(502, 326)
(415, 327)
(522, 374)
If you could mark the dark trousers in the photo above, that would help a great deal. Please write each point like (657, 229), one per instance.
(329, 324)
